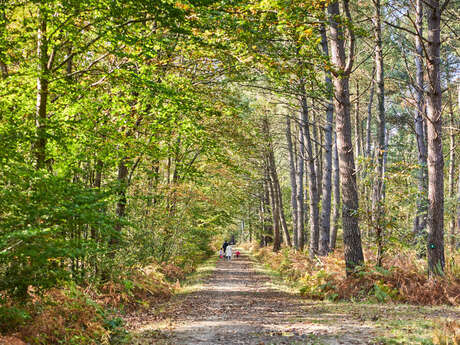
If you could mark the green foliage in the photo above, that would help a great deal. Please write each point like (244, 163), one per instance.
(383, 292)
(318, 285)
(41, 228)
(11, 318)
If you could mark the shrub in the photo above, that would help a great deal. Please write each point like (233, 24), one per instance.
(402, 278)
(12, 317)
(65, 316)
(319, 285)
(136, 288)
(44, 229)
(172, 272)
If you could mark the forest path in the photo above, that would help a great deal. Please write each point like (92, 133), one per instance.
(238, 305)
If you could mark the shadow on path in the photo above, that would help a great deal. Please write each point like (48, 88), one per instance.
(237, 306)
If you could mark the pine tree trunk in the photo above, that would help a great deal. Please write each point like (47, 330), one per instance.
(292, 175)
(268, 229)
(275, 216)
(272, 185)
(312, 182)
(378, 212)
(451, 166)
(325, 221)
(357, 123)
(351, 233)
(367, 151)
(300, 187)
(457, 230)
(279, 199)
(317, 152)
(436, 260)
(420, 133)
(336, 191)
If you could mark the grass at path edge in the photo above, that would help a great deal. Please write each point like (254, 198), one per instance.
(196, 279)
(396, 324)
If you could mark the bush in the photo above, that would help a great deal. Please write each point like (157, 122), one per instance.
(319, 285)
(45, 225)
(65, 316)
(11, 318)
(135, 288)
(172, 272)
(402, 278)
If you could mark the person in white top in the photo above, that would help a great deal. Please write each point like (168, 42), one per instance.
(228, 252)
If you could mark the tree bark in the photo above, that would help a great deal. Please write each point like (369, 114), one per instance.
(42, 90)
(367, 151)
(268, 229)
(292, 175)
(378, 212)
(351, 233)
(457, 230)
(300, 187)
(122, 179)
(436, 260)
(312, 182)
(275, 217)
(357, 123)
(317, 151)
(279, 198)
(272, 185)
(420, 134)
(325, 221)
(451, 165)
(336, 191)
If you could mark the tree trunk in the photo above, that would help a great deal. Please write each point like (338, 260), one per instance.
(268, 225)
(351, 233)
(435, 222)
(336, 191)
(457, 230)
(420, 133)
(325, 222)
(300, 187)
(122, 179)
(279, 198)
(275, 217)
(367, 152)
(451, 166)
(292, 175)
(97, 184)
(272, 185)
(378, 212)
(312, 182)
(317, 153)
(42, 90)
(357, 123)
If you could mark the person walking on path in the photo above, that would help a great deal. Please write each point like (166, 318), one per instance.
(224, 246)
(228, 252)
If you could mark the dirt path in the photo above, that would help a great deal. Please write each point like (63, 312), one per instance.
(238, 306)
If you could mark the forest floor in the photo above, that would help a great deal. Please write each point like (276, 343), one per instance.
(240, 303)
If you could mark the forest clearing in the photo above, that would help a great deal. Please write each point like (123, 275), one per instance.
(144, 143)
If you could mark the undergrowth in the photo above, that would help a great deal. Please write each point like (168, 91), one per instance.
(402, 278)
(75, 315)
